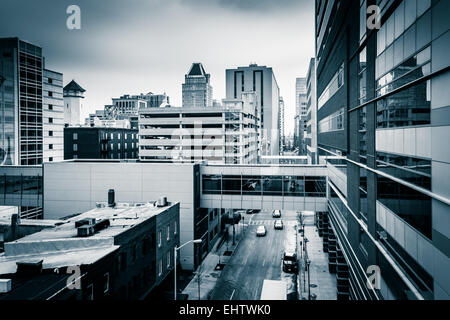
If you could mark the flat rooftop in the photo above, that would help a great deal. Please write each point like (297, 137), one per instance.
(61, 246)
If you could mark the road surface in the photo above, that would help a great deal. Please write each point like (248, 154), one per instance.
(256, 258)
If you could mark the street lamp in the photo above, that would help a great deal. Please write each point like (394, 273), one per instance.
(175, 249)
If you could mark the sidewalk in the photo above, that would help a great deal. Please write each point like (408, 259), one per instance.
(208, 275)
(323, 284)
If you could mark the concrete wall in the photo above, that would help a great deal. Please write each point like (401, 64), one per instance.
(75, 187)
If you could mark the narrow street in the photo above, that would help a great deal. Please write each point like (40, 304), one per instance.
(256, 258)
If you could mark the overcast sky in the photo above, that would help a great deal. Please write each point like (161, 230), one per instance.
(136, 46)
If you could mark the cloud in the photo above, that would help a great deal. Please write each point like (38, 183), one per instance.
(257, 6)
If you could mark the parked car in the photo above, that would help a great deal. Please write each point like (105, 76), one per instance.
(261, 231)
(278, 224)
(290, 263)
(276, 213)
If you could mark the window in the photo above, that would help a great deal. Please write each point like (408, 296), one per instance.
(168, 259)
(75, 136)
(333, 122)
(50, 146)
(159, 238)
(112, 146)
(168, 232)
(75, 147)
(90, 292)
(333, 86)
(50, 120)
(50, 94)
(50, 133)
(409, 107)
(50, 80)
(362, 21)
(50, 159)
(75, 156)
(160, 267)
(174, 227)
(106, 282)
(133, 254)
(50, 107)
(362, 76)
(118, 136)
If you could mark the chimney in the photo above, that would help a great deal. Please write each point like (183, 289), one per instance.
(111, 195)
(15, 221)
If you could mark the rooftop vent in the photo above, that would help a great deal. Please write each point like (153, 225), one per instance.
(29, 268)
(111, 197)
(102, 224)
(162, 202)
(5, 285)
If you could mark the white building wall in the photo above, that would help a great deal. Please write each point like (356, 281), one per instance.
(75, 187)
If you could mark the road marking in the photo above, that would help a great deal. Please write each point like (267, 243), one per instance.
(232, 294)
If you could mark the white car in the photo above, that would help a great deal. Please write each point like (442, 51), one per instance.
(276, 213)
(261, 231)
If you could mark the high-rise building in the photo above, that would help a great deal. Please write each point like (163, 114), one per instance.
(73, 104)
(384, 123)
(281, 125)
(300, 114)
(21, 112)
(259, 79)
(311, 113)
(197, 90)
(53, 116)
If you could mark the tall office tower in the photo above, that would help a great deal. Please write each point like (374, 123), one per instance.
(53, 115)
(384, 118)
(281, 125)
(311, 113)
(73, 103)
(197, 91)
(261, 80)
(300, 114)
(21, 65)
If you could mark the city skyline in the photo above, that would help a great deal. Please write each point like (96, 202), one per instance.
(145, 61)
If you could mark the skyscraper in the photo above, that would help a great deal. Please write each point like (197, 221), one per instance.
(311, 113)
(197, 91)
(300, 114)
(384, 121)
(281, 125)
(260, 79)
(30, 101)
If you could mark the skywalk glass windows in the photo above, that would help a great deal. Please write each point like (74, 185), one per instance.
(333, 86)
(410, 169)
(362, 132)
(412, 206)
(333, 122)
(409, 107)
(294, 186)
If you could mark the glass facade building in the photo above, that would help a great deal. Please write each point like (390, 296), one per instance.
(388, 190)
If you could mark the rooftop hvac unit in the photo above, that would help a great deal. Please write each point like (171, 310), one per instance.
(29, 268)
(85, 221)
(162, 202)
(5, 285)
(85, 231)
(99, 205)
(102, 224)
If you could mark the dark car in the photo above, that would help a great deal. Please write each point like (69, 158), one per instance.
(290, 263)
